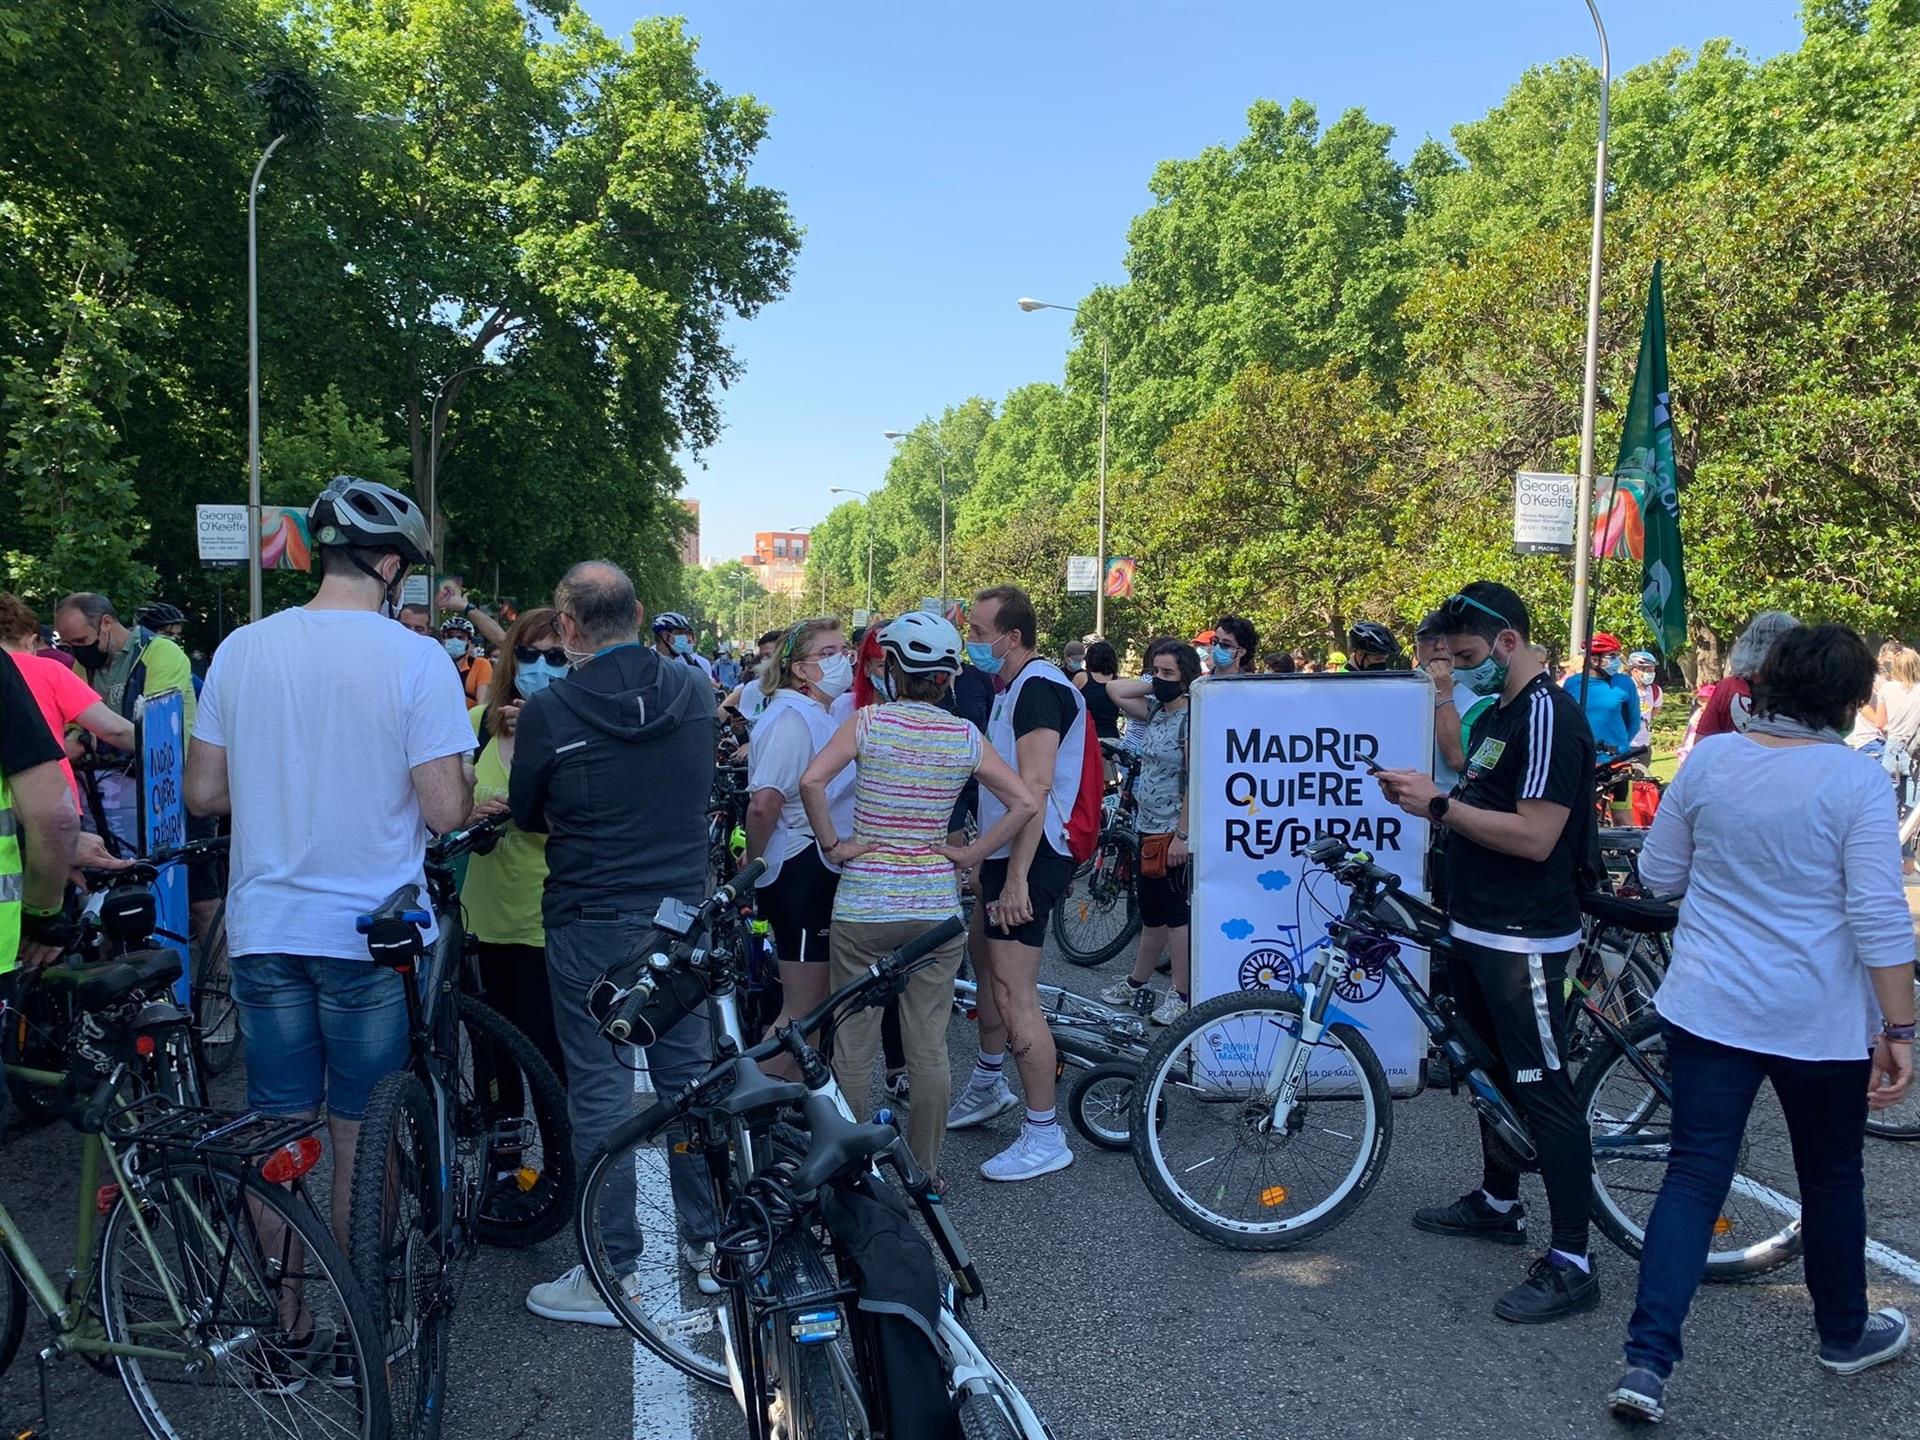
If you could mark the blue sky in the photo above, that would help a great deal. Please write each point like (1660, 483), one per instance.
(946, 159)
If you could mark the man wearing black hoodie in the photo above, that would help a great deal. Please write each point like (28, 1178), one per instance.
(615, 764)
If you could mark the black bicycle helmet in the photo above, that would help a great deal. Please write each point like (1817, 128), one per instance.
(1374, 639)
(372, 516)
(159, 615)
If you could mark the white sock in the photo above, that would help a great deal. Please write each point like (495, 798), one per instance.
(1584, 1264)
(1043, 1119)
(1499, 1207)
(987, 1070)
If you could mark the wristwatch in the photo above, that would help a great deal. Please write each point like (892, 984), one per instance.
(1437, 809)
(1181, 833)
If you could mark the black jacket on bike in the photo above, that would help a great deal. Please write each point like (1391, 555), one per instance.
(615, 764)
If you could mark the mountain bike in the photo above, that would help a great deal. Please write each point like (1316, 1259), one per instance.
(216, 1019)
(1274, 1116)
(801, 1354)
(202, 1272)
(469, 1144)
(1100, 912)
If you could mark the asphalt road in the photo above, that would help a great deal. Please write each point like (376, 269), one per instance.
(1116, 1322)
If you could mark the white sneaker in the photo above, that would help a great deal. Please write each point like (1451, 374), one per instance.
(1123, 994)
(1171, 1009)
(975, 1105)
(1040, 1150)
(699, 1260)
(571, 1297)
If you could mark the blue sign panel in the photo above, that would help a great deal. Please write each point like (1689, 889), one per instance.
(163, 820)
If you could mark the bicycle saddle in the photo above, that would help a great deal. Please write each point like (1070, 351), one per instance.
(753, 1090)
(402, 904)
(1642, 917)
(138, 972)
(836, 1144)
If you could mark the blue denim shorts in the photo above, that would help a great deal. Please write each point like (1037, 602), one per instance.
(318, 1030)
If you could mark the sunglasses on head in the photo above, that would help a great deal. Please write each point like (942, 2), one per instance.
(533, 655)
(1455, 606)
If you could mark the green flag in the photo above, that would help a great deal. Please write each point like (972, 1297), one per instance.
(1639, 516)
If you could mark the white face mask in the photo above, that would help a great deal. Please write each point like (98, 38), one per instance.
(836, 674)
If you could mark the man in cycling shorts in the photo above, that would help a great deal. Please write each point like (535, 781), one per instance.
(1519, 835)
(336, 740)
(1038, 726)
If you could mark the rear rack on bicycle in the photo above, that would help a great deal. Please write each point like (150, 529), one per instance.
(221, 1134)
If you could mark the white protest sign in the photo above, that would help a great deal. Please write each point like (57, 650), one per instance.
(1276, 762)
(1083, 574)
(1543, 516)
(223, 533)
(414, 589)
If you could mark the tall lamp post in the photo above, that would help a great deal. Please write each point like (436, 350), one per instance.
(1030, 305)
(1583, 497)
(848, 490)
(256, 603)
(436, 418)
(940, 459)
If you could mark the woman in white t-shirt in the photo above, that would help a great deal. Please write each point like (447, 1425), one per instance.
(810, 669)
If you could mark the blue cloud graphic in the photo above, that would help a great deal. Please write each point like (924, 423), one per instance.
(1275, 880)
(1237, 929)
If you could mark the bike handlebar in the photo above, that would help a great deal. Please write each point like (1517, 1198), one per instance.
(449, 847)
(625, 1019)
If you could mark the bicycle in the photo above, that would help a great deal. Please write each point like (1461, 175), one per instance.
(1299, 1094)
(202, 1272)
(1100, 913)
(1902, 1121)
(469, 1144)
(790, 1338)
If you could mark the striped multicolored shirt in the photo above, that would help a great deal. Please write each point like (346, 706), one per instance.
(914, 759)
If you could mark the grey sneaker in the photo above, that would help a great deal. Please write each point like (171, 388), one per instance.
(1886, 1336)
(976, 1105)
(1040, 1150)
(1123, 994)
(571, 1297)
(1170, 1009)
(1641, 1395)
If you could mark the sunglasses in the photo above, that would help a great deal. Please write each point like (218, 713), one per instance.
(533, 655)
(1456, 606)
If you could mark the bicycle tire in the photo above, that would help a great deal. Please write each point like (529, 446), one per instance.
(1080, 904)
(398, 1260)
(1369, 1113)
(1100, 1102)
(540, 1210)
(240, 1292)
(983, 1418)
(815, 1407)
(1618, 1104)
(1902, 1121)
(13, 1311)
(216, 1018)
(663, 1310)
(35, 1037)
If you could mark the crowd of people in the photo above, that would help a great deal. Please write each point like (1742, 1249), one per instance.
(888, 767)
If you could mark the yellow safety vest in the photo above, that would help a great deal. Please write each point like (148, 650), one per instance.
(13, 881)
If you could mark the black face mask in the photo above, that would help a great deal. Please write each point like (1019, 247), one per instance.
(1167, 691)
(91, 657)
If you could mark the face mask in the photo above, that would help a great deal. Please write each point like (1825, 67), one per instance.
(1166, 691)
(836, 674)
(1073, 667)
(91, 657)
(683, 644)
(1222, 657)
(530, 680)
(1611, 665)
(984, 660)
(456, 647)
(884, 685)
(1489, 677)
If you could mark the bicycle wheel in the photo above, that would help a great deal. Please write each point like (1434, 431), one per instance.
(13, 1311)
(1621, 987)
(216, 1019)
(626, 1207)
(810, 1393)
(35, 1037)
(1902, 1121)
(267, 1292)
(1758, 1227)
(1100, 912)
(1210, 1157)
(510, 1097)
(1100, 1102)
(397, 1256)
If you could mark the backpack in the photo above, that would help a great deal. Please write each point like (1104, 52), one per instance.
(1083, 824)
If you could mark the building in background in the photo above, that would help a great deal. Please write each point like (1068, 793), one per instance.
(779, 562)
(690, 542)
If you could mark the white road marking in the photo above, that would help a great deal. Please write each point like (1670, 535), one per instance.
(1885, 1256)
(662, 1396)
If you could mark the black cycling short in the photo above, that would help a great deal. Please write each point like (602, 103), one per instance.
(798, 907)
(1047, 880)
(1164, 900)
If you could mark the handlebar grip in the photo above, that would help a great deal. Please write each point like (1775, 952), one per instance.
(916, 950)
(626, 1015)
(747, 878)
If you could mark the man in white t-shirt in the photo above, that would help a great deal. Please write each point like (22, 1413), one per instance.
(336, 740)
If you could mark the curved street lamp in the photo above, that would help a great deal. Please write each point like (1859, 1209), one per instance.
(1030, 305)
(849, 490)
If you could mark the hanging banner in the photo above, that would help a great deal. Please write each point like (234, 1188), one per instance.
(1277, 762)
(1543, 513)
(222, 534)
(163, 820)
(284, 543)
(1120, 575)
(1083, 574)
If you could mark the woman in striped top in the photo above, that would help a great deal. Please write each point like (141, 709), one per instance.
(900, 866)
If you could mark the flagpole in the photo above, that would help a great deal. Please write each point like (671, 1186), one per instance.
(1582, 623)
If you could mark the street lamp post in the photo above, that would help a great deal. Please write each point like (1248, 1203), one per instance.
(256, 604)
(436, 418)
(1583, 497)
(1030, 305)
(848, 490)
(940, 462)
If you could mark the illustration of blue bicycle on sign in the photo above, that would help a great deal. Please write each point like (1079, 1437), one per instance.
(1278, 965)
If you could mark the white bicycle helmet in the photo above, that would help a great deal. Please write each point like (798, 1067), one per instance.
(923, 644)
(669, 621)
(372, 516)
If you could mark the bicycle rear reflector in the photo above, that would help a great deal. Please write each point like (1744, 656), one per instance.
(291, 1160)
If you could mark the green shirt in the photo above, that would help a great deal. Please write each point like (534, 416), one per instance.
(502, 892)
(167, 669)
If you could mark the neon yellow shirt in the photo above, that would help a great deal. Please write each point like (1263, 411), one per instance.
(502, 892)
